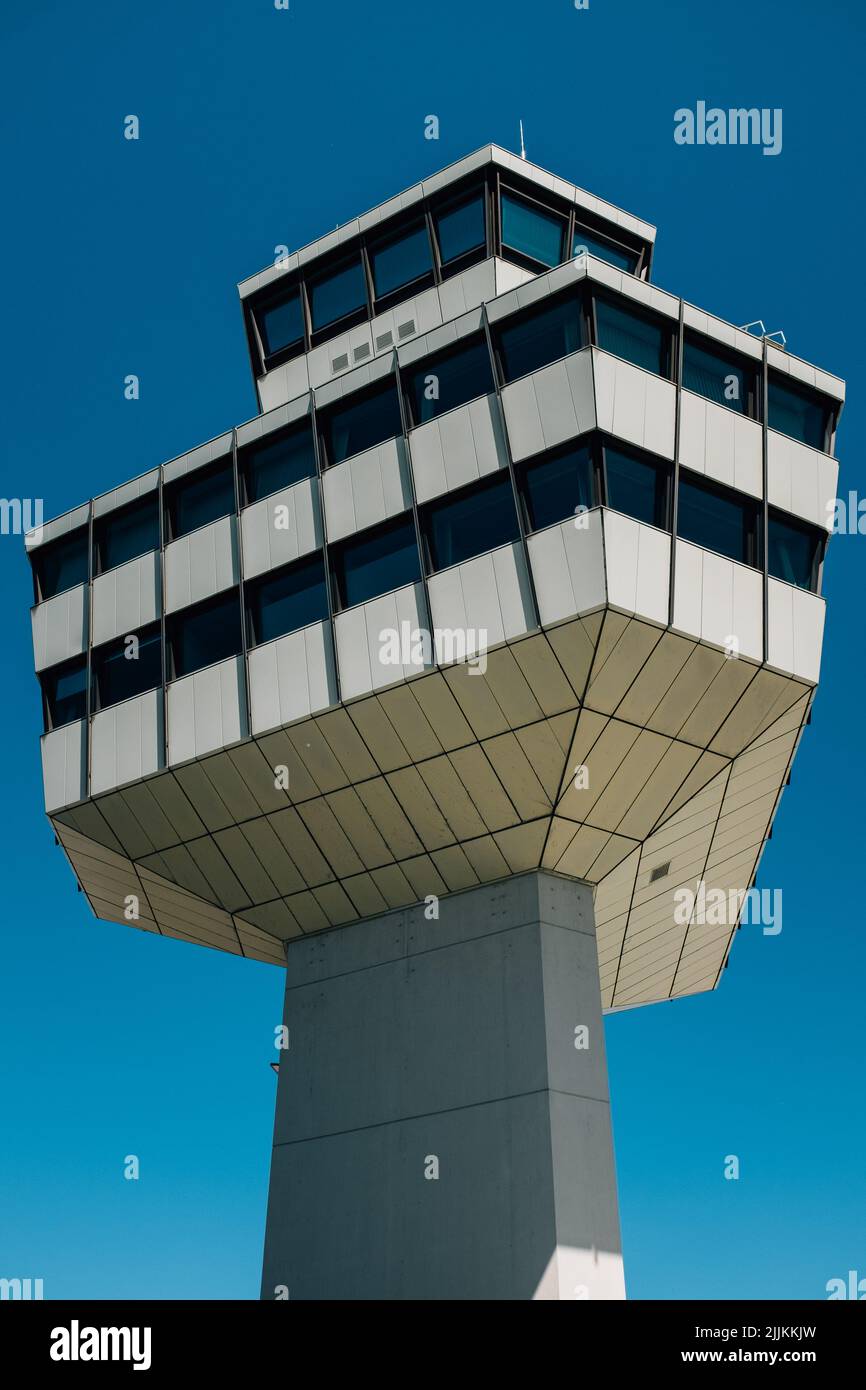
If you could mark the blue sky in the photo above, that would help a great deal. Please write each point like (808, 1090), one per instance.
(261, 127)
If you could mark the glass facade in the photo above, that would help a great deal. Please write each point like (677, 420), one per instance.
(337, 295)
(200, 498)
(461, 525)
(641, 340)
(124, 535)
(60, 565)
(282, 325)
(201, 636)
(711, 373)
(127, 667)
(360, 423)
(460, 230)
(448, 380)
(383, 558)
(794, 551)
(278, 462)
(585, 243)
(799, 414)
(558, 485)
(536, 339)
(401, 260)
(532, 232)
(283, 601)
(637, 486)
(720, 520)
(64, 693)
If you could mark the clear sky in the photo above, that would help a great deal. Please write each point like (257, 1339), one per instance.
(261, 127)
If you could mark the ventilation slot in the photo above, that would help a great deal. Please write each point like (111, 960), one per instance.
(383, 341)
(361, 352)
(340, 363)
(405, 330)
(660, 871)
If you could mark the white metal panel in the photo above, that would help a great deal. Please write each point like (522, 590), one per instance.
(633, 404)
(486, 599)
(637, 560)
(126, 742)
(206, 710)
(127, 598)
(796, 630)
(281, 528)
(201, 564)
(457, 448)
(568, 567)
(60, 627)
(801, 480)
(370, 634)
(64, 765)
(292, 677)
(366, 489)
(719, 601)
(550, 406)
(721, 444)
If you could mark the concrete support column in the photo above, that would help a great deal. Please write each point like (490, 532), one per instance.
(443, 1120)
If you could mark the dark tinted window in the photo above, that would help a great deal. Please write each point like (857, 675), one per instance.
(798, 414)
(201, 636)
(202, 497)
(556, 486)
(470, 523)
(285, 601)
(643, 341)
(401, 260)
(530, 231)
(124, 668)
(382, 559)
(124, 535)
(64, 693)
(363, 422)
(718, 520)
(718, 377)
(61, 564)
(451, 379)
(586, 242)
(541, 337)
(282, 325)
(460, 229)
(793, 552)
(637, 487)
(278, 462)
(336, 295)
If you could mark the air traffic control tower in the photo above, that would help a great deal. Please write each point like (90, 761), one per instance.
(435, 683)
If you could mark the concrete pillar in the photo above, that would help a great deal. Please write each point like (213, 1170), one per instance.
(438, 1133)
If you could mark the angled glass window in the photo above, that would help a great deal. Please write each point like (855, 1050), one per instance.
(126, 667)
(794, 551)
(281, 324)
(468, 523)
(379, 560)
(641, 340)
(587, 243)
(200, 498)
(336, 296)
(400, 260)
(460, 229)
(558, 485)
(449, 379)
(718, 376)
(286, 600)
(535, 339)
(127, 533)
(637, 486)
(278, 461)
(799, 414)
(718, 520)
(361, 422)
(60, 565)
(64, 693)
(530, 231)
(203, 635)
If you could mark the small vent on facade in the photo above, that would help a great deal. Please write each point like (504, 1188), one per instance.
(660, 871)
(384, 340)
(339, 364)
(361, 352)
(405, 330)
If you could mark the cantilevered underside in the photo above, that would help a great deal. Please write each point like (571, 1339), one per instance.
(461, 777)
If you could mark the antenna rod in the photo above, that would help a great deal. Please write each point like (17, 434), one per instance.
(522, 146)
